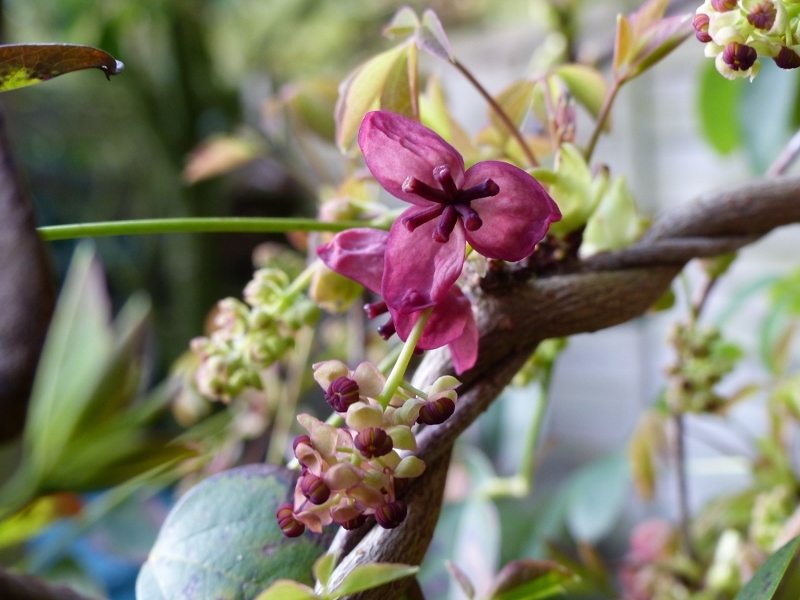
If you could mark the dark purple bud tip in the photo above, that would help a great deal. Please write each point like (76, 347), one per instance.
(373, 442)
(387, 330)
(314, 489)
(436, 412)
(290, 526)
(723, 5)
(762, 15)
(300, 439)
(355, 523)
(739, 57)
(701, 23)
(342, 393)
(392, 514)
(787, 58)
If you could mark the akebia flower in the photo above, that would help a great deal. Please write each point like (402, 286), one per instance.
(360, 253)
(498, 208)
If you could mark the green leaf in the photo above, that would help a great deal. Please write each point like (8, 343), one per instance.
(597, 494)
(615, 223)
(718, 102)
(585, 83)
(324, 567)
(64, 377)
(363, 90)
(431, 37)
(530, 580)
(286, 589)
(515, 101)
(778, 578)
(26, 64)
(222, 540)
(366, 577)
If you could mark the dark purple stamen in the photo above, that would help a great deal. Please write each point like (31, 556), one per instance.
(452, 203)
(376, 309)
(387, 330)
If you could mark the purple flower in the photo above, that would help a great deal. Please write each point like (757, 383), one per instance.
(498, 208)
(359, 254)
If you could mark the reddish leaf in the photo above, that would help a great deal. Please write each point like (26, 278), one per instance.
(26, 64)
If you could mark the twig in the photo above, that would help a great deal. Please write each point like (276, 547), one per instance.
(786, 157)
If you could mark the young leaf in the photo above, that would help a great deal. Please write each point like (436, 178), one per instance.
(516, 101)
(286, 589)
(26, 64)
(585, 83)
(366, 577)
(778, 578)
(324, 567)
(431, 37)
(597, 496)
(222, 540)
(461, 579)
(530, 580)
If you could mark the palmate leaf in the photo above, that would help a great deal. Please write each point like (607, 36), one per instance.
(27, 64)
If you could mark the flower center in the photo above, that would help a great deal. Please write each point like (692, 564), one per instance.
(451, 203)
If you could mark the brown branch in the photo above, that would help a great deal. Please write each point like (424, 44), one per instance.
(27, 587)
(601, 292)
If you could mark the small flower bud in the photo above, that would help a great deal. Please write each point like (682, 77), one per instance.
(373, 442)
(723, 5)
(290, 526)
(739, 57)
(701, 23)
(436, 412)
(762, 16)
(392, 514)
(787, 58)
(301, 439)
(314, 489)
(355, 523)
(342, 393)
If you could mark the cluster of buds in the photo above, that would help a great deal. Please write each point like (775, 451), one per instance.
(736, 34)
(352, 472)
(704, 358)
(250, 336)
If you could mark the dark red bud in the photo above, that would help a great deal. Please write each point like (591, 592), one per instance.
(700, 23)
(723, 5)
(373, 442)
(739, 57)
(436, 412)
(762, 16)
(400, 484)
(301, 439)
(787, 58)
(392, 514)
(342, 393)
(314, 489)
(355, 523)
(290, 526)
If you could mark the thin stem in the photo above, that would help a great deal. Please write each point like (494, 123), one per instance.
(601, 118)
(787, 156)
(501, 114)
(302, 281)
(679, 460)
(399, 369)
(193, 225)
(284, 419)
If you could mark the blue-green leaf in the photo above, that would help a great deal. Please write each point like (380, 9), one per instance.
(778, 578)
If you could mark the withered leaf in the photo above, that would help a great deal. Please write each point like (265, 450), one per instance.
(26, 64)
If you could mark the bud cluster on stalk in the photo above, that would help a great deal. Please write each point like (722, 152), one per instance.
(250, 336)
(355, 471)
(737, 34)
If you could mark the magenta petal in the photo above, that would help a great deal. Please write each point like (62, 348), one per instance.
(396, 148)
(357, 254)
(514, 220)
(464, 349)
(418, 270)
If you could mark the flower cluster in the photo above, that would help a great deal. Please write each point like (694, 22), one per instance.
(350, 473)
(736, 34)
(501, 211)
(249, 337)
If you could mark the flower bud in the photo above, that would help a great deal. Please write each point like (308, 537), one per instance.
(787, 58)
(700, 22)
(300, 439)
(723, 5)
(739, 57)
(373, 442)
(392, 514)
(355, 523)
(763, 15)
(342, 393)
(314, 489)
(290, 526)
(436, 412)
